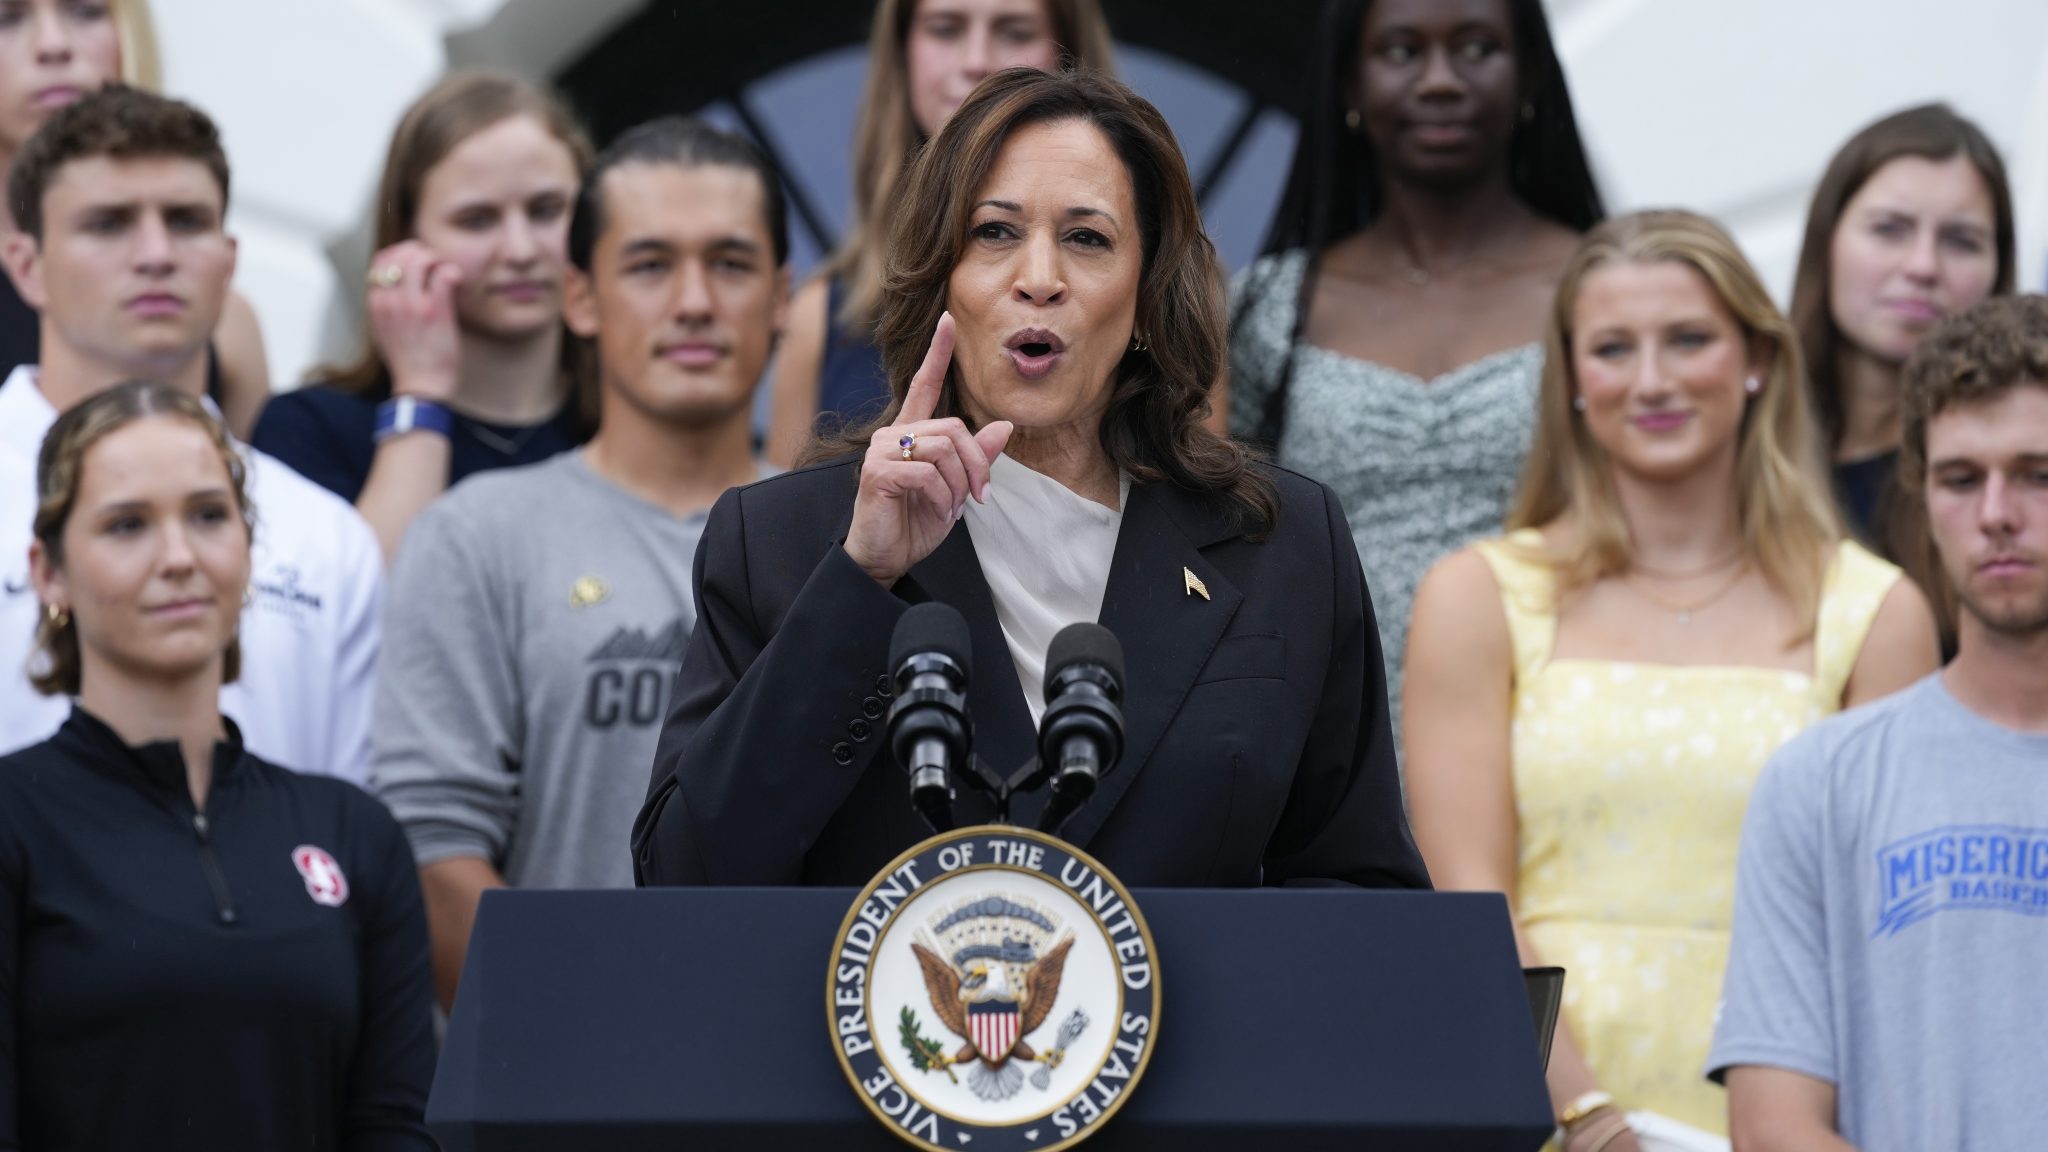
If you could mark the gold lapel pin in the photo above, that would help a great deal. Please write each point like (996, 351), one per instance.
(588, 590)
(1193, 583)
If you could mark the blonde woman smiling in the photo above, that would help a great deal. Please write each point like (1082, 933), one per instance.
(1674, 599)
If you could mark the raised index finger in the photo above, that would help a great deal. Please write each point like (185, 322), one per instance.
(921, 399)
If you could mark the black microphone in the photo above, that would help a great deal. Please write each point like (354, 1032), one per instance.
(931, 655)
(1081, 736)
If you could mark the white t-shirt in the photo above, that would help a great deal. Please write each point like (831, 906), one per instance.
(309, 635)
(1045, 552)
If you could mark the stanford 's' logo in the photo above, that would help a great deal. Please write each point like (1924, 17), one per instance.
(324, 881)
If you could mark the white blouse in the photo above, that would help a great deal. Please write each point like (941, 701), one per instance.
(1045, 552)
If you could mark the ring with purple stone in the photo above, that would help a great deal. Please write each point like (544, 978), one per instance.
(905, 445)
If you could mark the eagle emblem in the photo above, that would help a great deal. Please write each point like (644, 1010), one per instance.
(992, 969)
(993, 985)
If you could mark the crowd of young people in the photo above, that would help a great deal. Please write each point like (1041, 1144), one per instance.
(1715, 633)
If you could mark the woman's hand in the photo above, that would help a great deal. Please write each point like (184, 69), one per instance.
(412, 320)
(907, 506)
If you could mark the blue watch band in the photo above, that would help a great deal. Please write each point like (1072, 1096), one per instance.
(402, 414)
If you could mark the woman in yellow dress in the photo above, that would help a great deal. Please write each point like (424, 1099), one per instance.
(1592, 696)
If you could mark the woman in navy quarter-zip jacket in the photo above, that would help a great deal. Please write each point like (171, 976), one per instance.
(198, 949)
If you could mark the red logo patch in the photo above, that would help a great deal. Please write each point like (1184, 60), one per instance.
(324, 881)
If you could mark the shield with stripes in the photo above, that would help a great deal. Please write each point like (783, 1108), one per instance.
(994, 1023)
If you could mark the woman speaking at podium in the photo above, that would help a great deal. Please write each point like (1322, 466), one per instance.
(1053, 316)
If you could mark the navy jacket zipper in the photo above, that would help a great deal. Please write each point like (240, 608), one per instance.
(223, 902)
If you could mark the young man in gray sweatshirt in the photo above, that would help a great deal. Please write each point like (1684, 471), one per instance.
(1884, 987)
(537, 616)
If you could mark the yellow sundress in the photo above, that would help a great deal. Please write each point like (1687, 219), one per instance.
(1630, 784)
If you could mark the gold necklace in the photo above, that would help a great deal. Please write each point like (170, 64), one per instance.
(1684, 610)
(1707, 569)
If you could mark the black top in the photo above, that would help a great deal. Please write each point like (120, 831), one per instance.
(21, 330)
(1860, 486)
(1257, 743)
(253, 976)
(325, 434)
(853, 386)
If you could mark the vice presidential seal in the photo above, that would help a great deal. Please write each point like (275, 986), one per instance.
(993, 989)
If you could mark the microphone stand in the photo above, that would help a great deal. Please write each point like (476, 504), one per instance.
(1080, 735)
(1001, 789)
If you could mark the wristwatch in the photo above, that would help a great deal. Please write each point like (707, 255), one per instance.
(402, 414)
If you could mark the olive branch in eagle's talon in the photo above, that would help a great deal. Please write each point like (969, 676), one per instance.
(925, 1054)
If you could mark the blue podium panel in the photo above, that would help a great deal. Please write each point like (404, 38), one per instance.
(695, 1018)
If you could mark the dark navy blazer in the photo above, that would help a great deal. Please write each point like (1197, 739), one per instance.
(1258, 747)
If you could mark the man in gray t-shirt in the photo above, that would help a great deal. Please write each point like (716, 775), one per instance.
(1884, 985)
(543, 615)
(537, 615)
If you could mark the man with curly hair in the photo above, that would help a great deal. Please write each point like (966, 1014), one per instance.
(1891, 906)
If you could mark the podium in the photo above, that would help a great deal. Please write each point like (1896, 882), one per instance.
(695, 1018)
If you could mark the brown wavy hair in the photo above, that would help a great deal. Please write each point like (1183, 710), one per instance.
(57, 667)
(1788, 521)
(460, 106)
(887, 136)
(1159, 395)
(115, 121)
(1974, 357)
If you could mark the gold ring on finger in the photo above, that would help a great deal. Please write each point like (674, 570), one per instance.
(906, 445)
(386, 275)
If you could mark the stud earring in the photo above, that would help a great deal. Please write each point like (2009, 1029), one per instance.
(1578, 403)
(1528, 112)
(1752, 385)
(57, 614)
(1351, 120)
